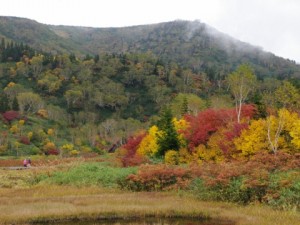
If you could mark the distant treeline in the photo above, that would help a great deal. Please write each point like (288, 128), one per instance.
(12, 52)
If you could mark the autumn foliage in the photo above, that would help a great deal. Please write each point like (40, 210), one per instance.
(158, 177)
(129, 155)
(25, 140)
(209, 121)
(215, 135)
(10, 115)
(264, 178)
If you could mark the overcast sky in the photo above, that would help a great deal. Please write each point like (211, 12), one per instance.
(273, 25)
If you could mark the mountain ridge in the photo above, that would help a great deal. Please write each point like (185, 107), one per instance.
(190, 43)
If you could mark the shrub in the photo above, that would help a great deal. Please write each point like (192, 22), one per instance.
(74, 152)
(157, 178)
(14, 129)
(42, 113)
(256, 184)
(3, 149)
(30, 150)
(266, 178)
(233, 191)
(10, 115)
(52, 152)
(33, 150)
(37, 136)
(284, 189)
(29, 135)
(48, 146)
(25, 140)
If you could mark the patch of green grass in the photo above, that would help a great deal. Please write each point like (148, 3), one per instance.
(100, 174)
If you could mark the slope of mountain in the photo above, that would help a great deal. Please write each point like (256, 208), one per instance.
(36, 35)
(192, 45)
(133, 73)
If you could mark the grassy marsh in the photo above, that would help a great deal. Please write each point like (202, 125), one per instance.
(48, 203)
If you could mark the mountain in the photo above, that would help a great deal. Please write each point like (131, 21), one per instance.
(191, 44)
(96, 87)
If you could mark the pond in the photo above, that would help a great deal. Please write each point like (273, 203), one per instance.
(149, 221)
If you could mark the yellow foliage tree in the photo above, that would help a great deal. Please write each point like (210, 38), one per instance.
(49, 146)
(273, 133)
(68, 147)
(42, 113)
(21, 122)
(50, 132)
(214, 152)
(50, 82)
(295, 135)
(185, 156)
(181, 125)
(11, 84)
(172, 157)
(253, 139)
(276, 126)
(211, 153)
(148, 145)
(14, 129)
(29, 135)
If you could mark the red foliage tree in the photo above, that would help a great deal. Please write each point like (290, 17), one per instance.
(248, 111)
(209, 121)
(231, 131)
(131, 158)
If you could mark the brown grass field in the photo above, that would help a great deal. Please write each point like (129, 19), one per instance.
(41, 203)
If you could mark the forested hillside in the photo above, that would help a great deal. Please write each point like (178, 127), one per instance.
(71, 90)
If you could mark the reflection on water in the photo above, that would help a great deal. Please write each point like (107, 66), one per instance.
(150, 221)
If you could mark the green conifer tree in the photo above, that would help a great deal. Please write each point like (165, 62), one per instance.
(168, 140)
(184, 107)
(15, 104)
(4, 103)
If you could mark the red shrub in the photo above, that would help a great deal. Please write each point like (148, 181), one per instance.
(133, 160)
(256, 169)
(25, 140)
(52, 152)
(158, 177)
(10, 115)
